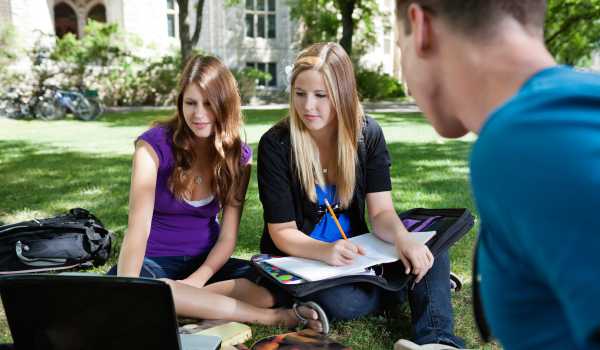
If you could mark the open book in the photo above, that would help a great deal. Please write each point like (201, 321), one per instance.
(231, 333)
(376, 250)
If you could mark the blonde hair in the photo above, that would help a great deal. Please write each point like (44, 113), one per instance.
(219, 88)
(333, 63)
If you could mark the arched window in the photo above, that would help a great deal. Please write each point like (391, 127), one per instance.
(65, 20)
(97, 13)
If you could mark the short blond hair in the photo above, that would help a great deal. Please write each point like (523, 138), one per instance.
(474, 17)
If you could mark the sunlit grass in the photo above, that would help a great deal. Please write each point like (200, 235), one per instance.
(47, 168)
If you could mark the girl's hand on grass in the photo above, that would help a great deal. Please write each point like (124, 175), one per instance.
(342, 252)
(415, 256)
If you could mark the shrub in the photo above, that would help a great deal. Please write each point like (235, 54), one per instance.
(160, 80)
(102, 45)
(376, 85)
(247, 79)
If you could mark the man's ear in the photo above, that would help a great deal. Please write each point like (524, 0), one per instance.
(420, 22)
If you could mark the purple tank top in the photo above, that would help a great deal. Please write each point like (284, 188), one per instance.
(178, 228)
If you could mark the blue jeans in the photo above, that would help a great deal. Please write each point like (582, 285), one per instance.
(430, 304)
(180, 267)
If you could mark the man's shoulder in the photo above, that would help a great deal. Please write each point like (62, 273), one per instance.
(544, 130)
(552, 101)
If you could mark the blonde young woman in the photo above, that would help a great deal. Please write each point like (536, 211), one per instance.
(328, 149)
(186, 172)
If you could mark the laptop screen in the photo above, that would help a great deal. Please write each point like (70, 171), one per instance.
(65, 312)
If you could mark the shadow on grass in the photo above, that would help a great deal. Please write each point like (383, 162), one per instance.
(141, 118)
(432, 175)
(440, 171)
(261, 117)
(395, 118)
(41, 179)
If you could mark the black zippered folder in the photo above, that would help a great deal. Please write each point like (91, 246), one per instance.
(450, 226)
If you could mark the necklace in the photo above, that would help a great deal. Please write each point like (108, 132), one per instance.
(198, 179)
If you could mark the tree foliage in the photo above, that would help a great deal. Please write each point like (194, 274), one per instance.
(572, 30)
(350, 22)
(102, 45)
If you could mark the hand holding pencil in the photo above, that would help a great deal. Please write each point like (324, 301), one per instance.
(342, 251)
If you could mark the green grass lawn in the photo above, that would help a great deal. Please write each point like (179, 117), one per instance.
(49, 167)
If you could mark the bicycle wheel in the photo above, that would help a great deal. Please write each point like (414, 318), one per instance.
(97, 108)
(10, 109)
(48, 110)
(83, 109)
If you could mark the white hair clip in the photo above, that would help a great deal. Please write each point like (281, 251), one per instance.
(288, 76)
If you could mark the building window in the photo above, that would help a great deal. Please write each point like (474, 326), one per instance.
(172, 19)
(65, 20)
(97, 13)
(268, 67)
(260, 18)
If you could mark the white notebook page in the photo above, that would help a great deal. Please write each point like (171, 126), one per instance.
(376, 250)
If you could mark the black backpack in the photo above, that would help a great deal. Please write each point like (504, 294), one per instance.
(76, 239)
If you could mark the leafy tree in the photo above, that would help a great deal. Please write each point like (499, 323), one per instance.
(102, 45)
(572, 29)
(322, 20)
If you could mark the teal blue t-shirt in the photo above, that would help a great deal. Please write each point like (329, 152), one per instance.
(535, 172)
(326, 230)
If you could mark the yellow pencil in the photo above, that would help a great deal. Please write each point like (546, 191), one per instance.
(335, 219)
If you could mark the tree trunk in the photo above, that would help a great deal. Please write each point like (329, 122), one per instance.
(347, 8)
(188, 43)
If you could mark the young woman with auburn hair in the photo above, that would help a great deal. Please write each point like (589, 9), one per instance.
(186, 171)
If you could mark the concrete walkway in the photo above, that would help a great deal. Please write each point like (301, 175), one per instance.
(370, 107)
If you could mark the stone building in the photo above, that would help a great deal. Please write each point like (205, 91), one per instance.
(254, 33)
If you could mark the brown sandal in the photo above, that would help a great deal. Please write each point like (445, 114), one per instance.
(317, 308)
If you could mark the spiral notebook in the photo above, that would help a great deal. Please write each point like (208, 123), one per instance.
(376, 250)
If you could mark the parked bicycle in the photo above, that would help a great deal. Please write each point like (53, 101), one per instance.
(84, 105)
(17, 105)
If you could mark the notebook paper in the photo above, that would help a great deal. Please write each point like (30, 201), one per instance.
(376, 250)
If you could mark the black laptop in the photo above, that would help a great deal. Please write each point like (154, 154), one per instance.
(92, 312)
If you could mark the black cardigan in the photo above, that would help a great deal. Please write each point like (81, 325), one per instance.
(281, 193)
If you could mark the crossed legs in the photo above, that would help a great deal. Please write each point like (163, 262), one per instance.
(237, 300)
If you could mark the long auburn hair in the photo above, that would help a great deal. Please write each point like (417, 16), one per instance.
(331, 60)
(219, 88)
